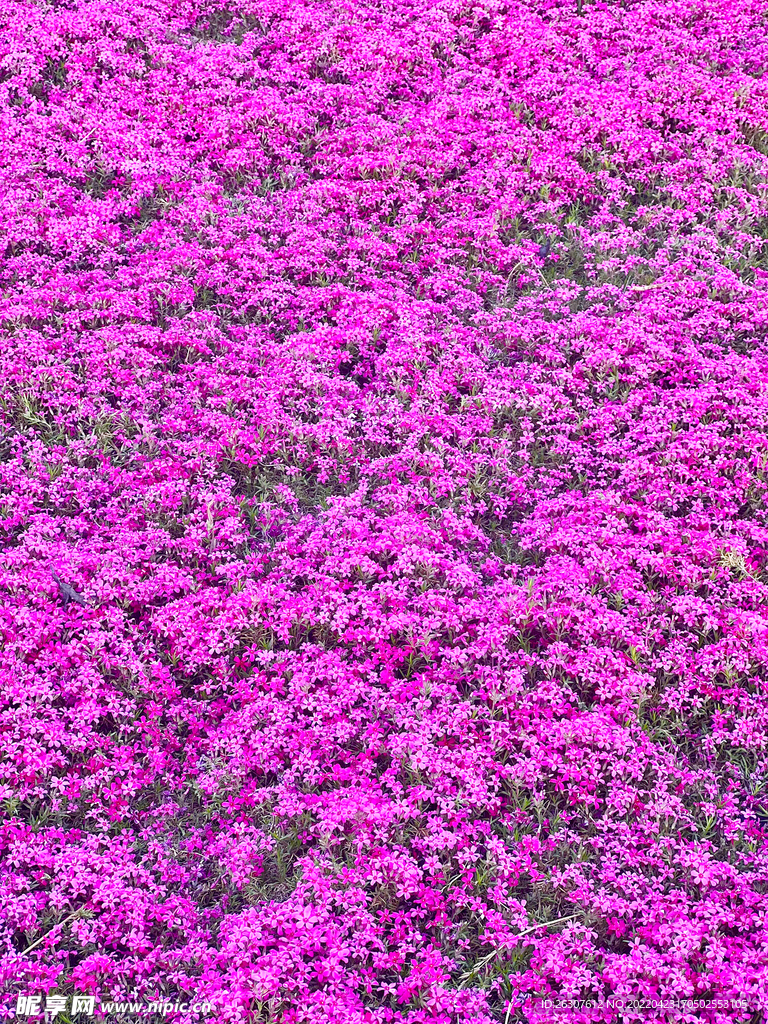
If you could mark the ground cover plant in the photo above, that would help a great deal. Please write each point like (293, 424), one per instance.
(383, 531)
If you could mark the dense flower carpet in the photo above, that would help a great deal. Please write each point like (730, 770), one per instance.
(384, 508)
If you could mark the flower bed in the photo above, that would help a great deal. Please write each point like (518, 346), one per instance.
(390, 383)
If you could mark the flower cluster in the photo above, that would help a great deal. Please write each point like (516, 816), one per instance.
(390, 380)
